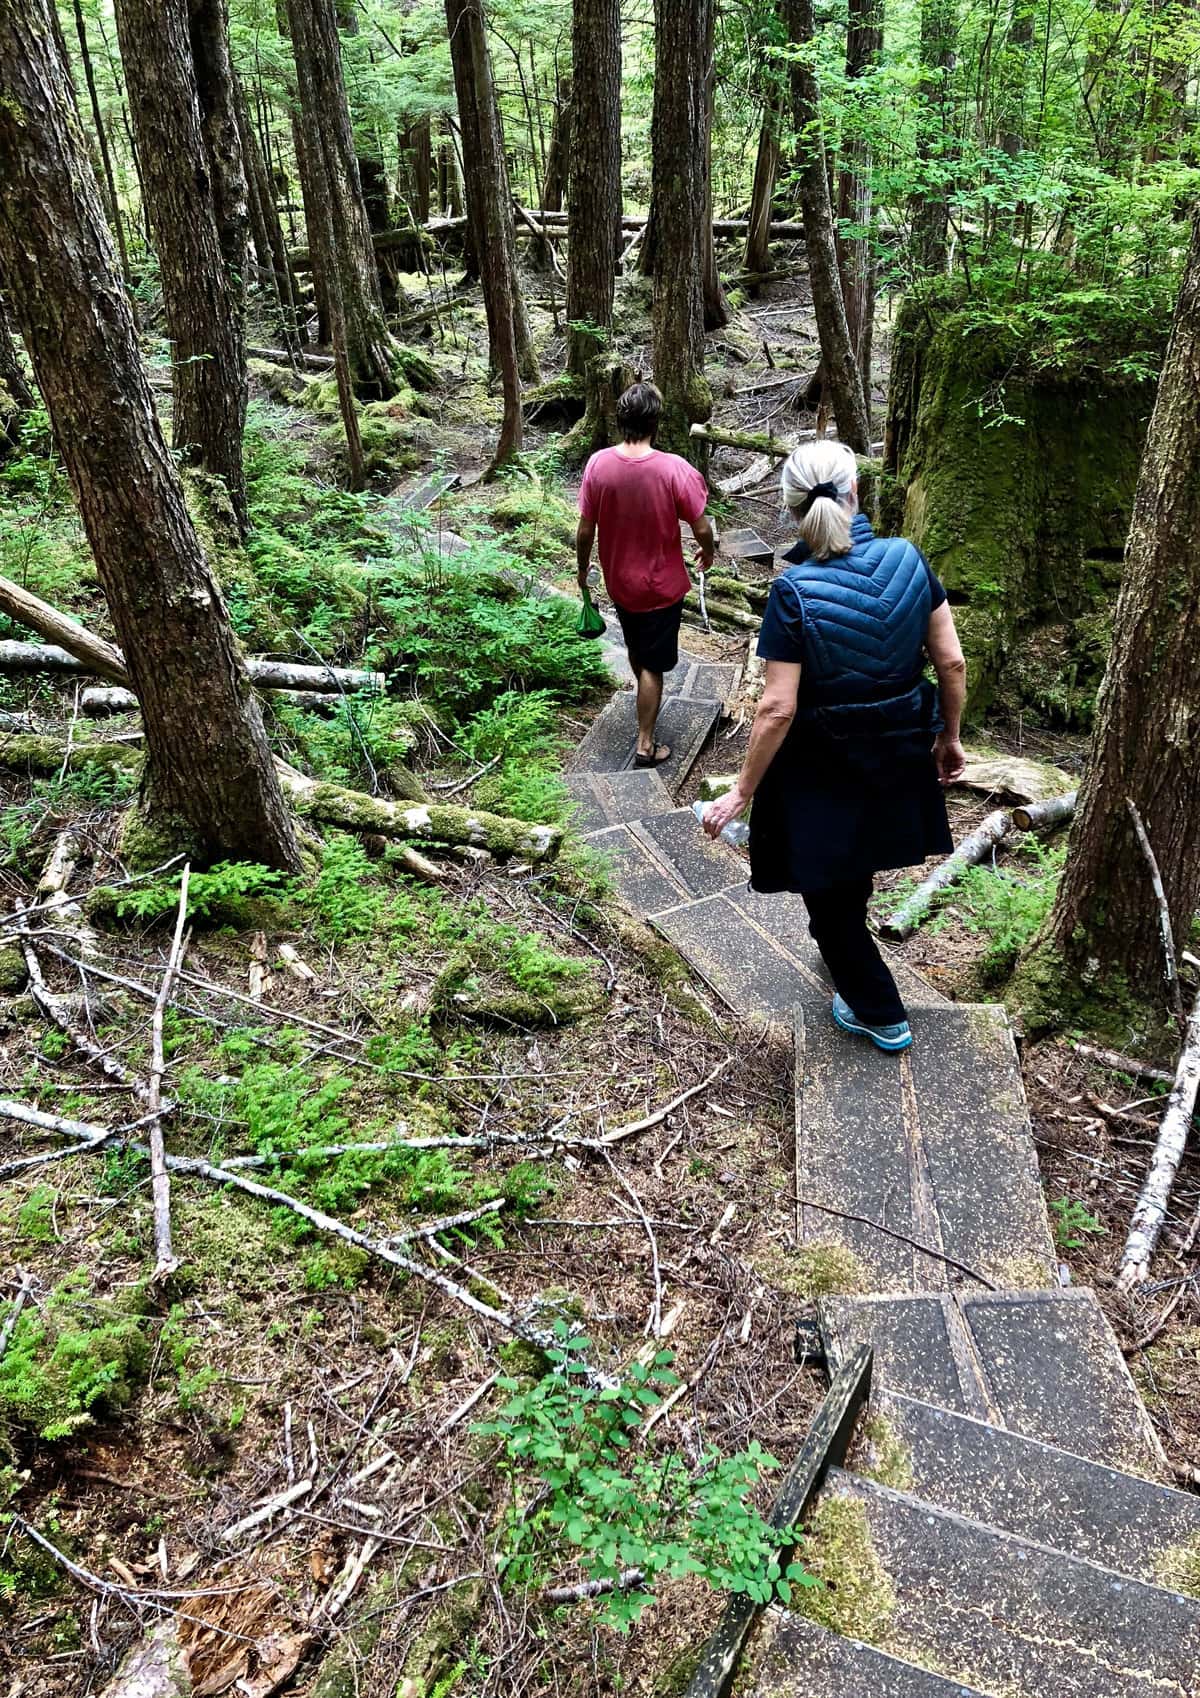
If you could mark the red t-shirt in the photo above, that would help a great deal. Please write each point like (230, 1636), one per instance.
(637, 506)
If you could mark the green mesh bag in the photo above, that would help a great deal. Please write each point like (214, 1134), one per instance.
(591, 623)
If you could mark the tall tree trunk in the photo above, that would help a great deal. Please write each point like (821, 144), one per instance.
(269, 240)
(594, 199)
(210, 784)
(330, 163)
(839, 366)
(757, 256)
(680, 194)
(716, 307)
(112, 202)
(1146, 741)
(192, 213)
(489, 207)
(416, 151)
(864, 40)
(1014, 77)
(558, 157)
(929, 208)
(209, 31)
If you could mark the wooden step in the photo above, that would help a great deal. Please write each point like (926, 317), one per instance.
(1042, 1364)
(802, 1660)
(617, 798)
(1038, 1491)
(611, 743)
(943, 1152)
(1005, 1615)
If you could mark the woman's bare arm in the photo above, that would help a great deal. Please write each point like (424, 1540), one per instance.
(776, 711)
(945, 651)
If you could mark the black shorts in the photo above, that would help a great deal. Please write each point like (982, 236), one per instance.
(652, 639)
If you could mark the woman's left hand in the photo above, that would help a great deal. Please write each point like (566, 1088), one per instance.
(728, 807)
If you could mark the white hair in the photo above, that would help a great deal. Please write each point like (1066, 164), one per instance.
(825, 527)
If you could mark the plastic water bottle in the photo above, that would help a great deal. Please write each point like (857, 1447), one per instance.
(736, 832)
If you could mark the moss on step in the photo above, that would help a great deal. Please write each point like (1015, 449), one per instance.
(888, 1460)
(814, 1270)
(856, 1597)
(1179, 1567)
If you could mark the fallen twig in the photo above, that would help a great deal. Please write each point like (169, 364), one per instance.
(901, 1237)
(661, 1114)
(584, 1589)
(24, 1292)
(1118, 1063)
(1151, 1209)
(160, 1185)
(654, 1321)
(1170, 960)
(265, 1511)
(452, 786)
(970, 852)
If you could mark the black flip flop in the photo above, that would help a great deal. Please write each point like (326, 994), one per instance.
(654, 759)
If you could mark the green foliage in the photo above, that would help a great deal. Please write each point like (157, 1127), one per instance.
(180, 1347)
(345, 899)
(1008, 905)
(1070, 1219)
(522, 732)
(580, 1476)
(35, 1217)
(69, 1359)
(226, 894)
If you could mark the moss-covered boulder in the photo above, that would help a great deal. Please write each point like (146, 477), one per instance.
(1013, 443)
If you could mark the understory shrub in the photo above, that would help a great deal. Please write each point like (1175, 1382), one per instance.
(1008, 904)
(581, 1476)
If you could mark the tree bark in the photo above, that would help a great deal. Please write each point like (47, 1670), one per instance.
(209, 781)
(335, 194)
(557, 172)
(864, 41)
(489, 208)
(417, 151)
(209, 32)
(716, 307)
(191, 214)
(841, 377)
(594, 203)
(16, 397)
(268, 231)
(110, 185)
(679, 211)
(929, 207)
(1146, 742)
(757, 257)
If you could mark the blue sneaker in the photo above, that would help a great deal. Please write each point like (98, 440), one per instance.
(891, 1038)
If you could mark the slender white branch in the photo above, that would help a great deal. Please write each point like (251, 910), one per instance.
(1151, 1209)
(160, 1184)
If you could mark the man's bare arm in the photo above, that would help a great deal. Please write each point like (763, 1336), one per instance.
(703, 532)
(585, 536)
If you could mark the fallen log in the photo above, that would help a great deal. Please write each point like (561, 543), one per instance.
(431, 822)
(264, 673)
(970, 852)
(281, 357)
(1118, 1063)
(723, 612)
(101, 699)
(1040, 816)
(755, 473)
(79, 649)
(1151, 1209)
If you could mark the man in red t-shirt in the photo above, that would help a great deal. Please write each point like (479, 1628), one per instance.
(635, 495)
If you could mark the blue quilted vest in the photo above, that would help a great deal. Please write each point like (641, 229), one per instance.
(865, 617)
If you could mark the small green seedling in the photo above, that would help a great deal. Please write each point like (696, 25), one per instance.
(1071, 1219)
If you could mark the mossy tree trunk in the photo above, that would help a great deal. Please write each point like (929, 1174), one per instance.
(210, 784)
(841, 379)
(594, 192)
(1146, 741)
(716, 307)
(195, 196)
(16, 397)
(329, 160)
(489, 208)
(680, 206)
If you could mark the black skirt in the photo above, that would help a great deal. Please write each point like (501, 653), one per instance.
(826, 813)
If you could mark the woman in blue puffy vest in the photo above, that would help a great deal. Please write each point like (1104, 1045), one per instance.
(851, 743)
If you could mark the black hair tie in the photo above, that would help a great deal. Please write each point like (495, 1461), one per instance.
(819, 492)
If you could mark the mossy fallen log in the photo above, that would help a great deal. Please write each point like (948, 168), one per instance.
(326, 804)
(723, 612)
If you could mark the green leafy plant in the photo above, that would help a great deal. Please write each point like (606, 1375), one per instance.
(579, 1473)
(180, 1347)
(1007, 905)
(224, 893)
(1071, 1219)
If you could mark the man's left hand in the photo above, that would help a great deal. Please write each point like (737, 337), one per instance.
(704, 559)
(728, 807)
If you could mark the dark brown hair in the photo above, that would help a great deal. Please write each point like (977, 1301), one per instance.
(638, 412)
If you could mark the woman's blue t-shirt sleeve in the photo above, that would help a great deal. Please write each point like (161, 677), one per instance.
(782, 633)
